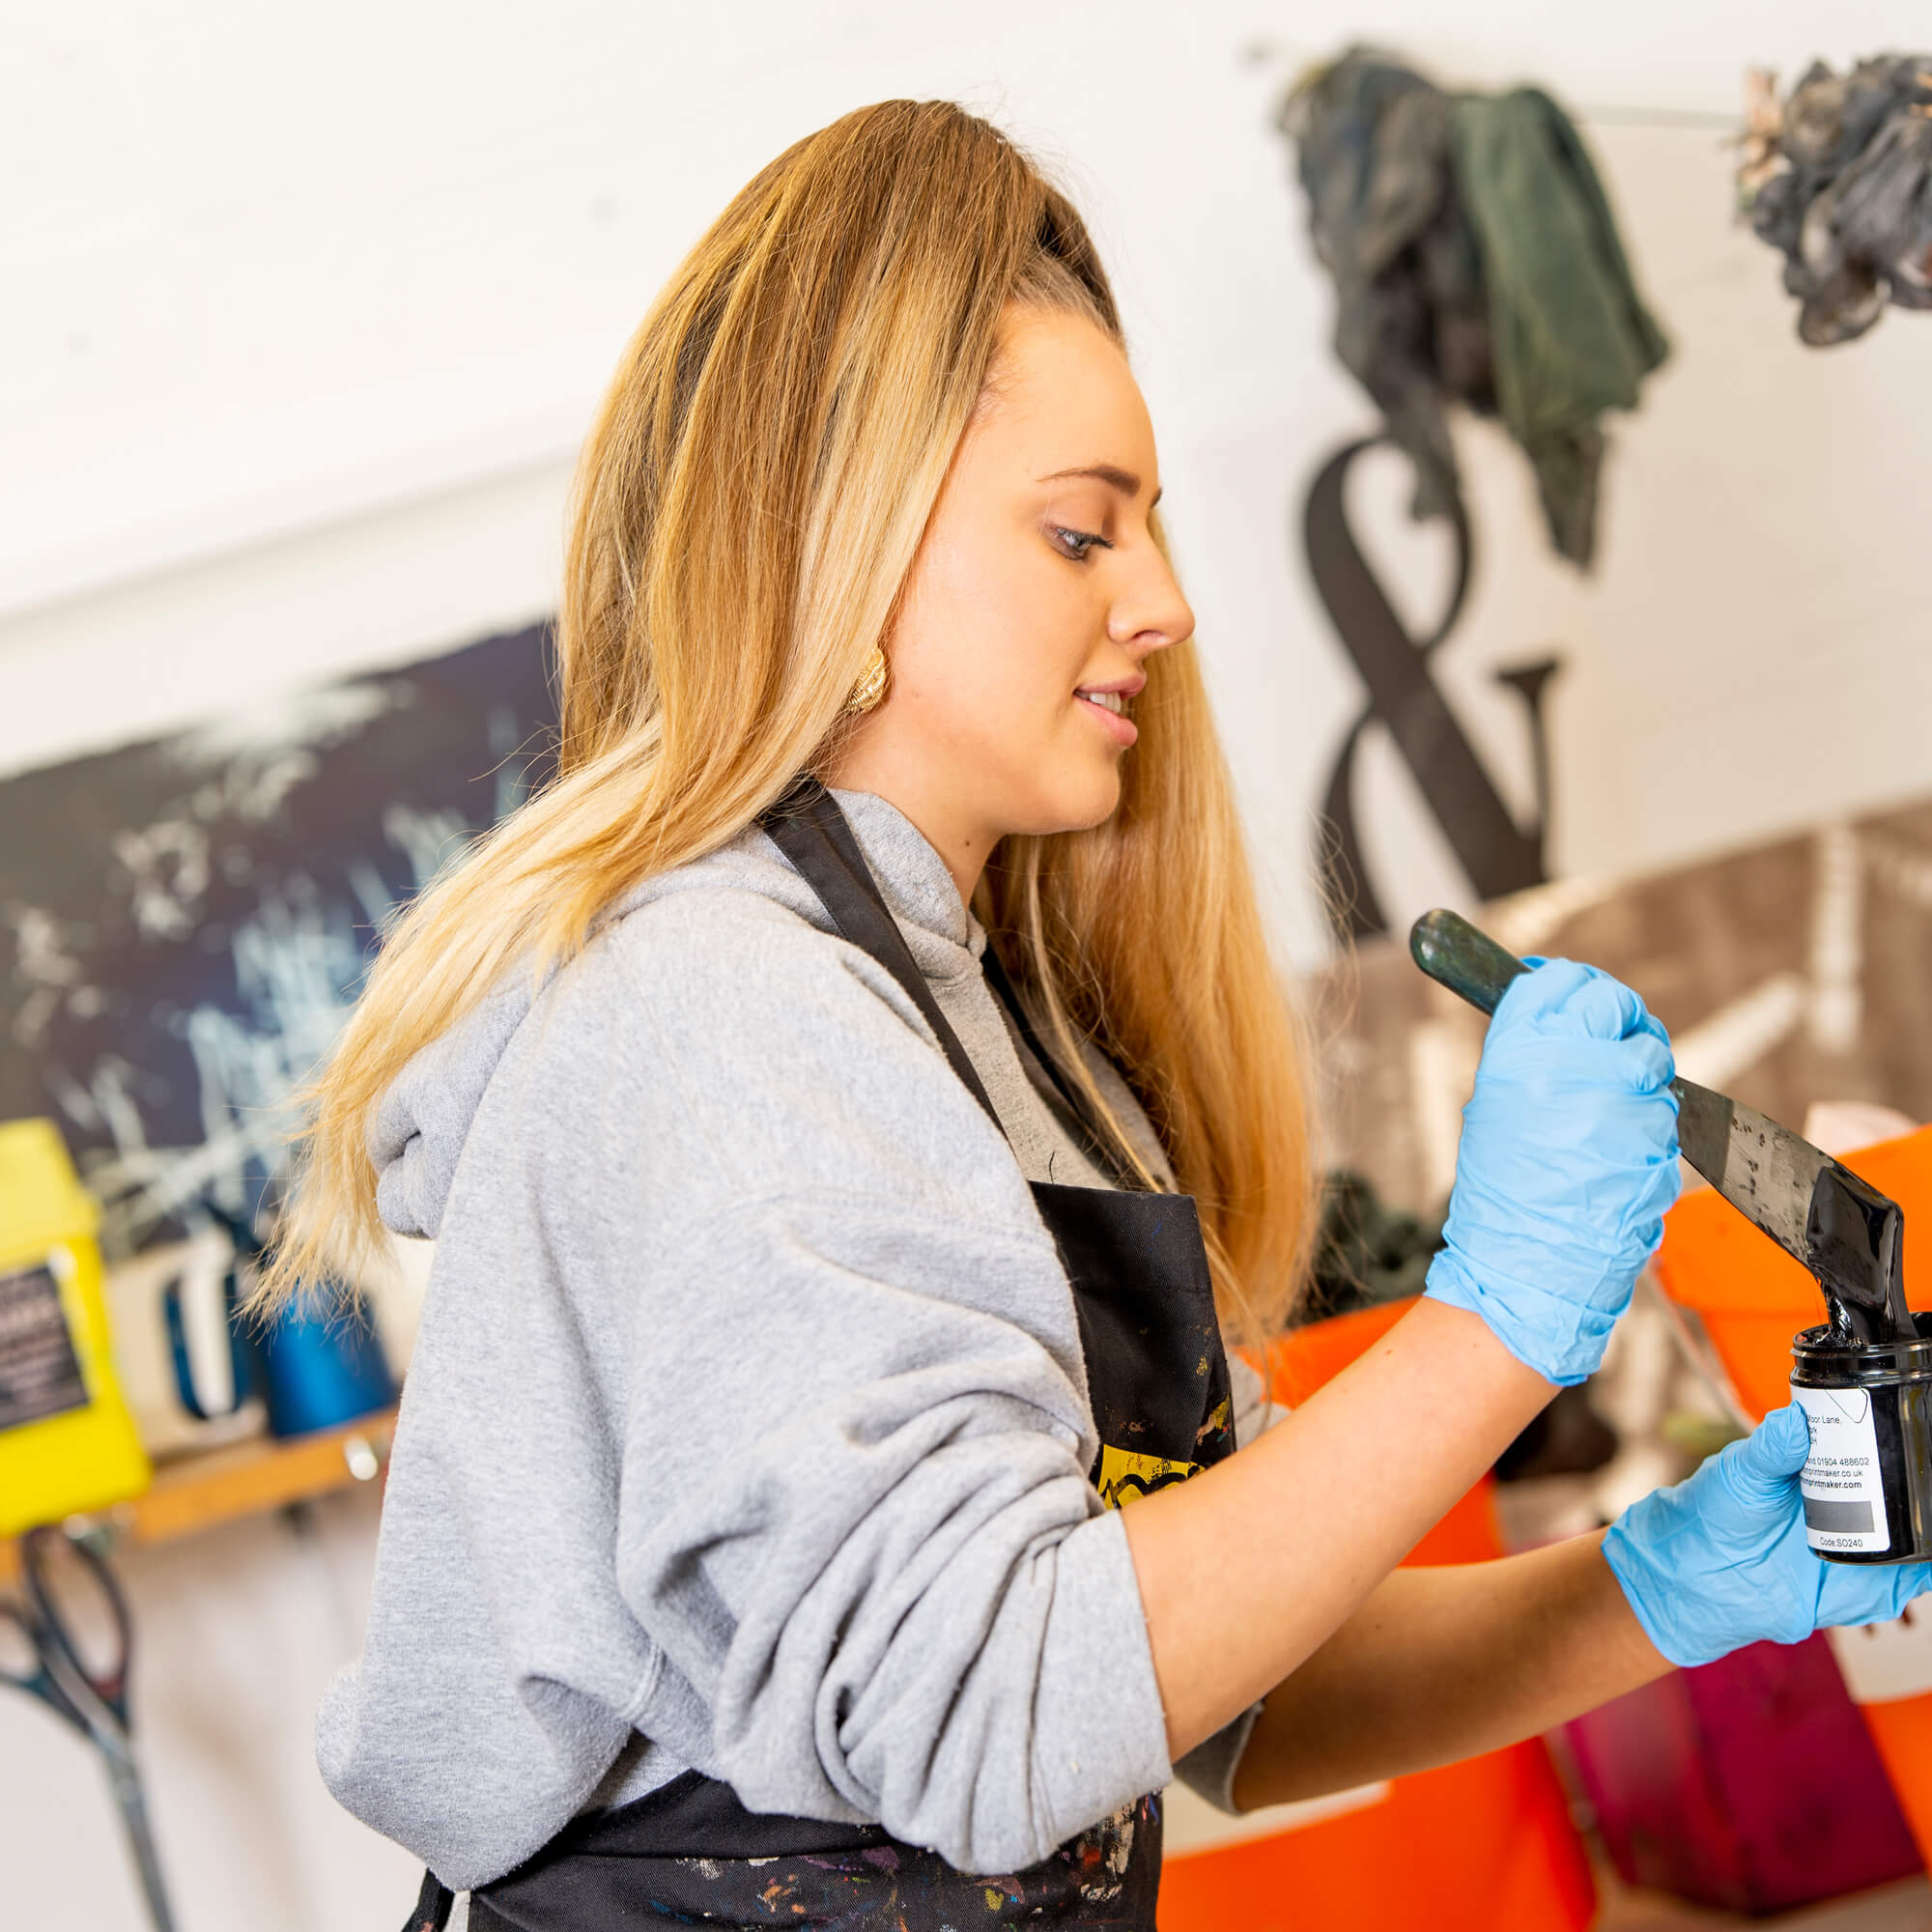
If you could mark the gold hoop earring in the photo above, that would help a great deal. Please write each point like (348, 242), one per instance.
(872, 685)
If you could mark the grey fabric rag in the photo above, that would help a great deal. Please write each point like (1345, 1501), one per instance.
(1847, 201)
(1476, 261)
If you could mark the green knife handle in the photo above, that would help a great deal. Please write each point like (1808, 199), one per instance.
(1468, 962)
(1471, 964)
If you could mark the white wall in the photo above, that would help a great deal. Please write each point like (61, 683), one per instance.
(307, 308)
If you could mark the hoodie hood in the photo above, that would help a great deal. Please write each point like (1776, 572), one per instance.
(423, 1120)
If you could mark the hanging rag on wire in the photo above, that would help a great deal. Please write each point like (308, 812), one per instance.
(1476, 261)
(1839, 179)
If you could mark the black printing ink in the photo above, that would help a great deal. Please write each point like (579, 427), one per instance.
(1854, 1244)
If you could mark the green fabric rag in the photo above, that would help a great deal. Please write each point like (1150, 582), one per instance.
(1570, 337)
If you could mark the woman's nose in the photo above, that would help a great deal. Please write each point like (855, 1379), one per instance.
(1152, 616)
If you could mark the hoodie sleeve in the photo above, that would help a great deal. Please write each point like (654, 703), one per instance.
(853, 1511)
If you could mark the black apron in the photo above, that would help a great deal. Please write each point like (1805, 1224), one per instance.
(689, 1852)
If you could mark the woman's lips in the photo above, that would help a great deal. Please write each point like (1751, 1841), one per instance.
(1119, 726)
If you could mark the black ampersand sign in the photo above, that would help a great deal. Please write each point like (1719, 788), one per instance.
(1498, 854)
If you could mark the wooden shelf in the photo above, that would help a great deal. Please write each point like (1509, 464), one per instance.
(200, 1492)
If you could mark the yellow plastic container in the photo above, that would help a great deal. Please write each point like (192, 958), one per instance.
(67, 1442)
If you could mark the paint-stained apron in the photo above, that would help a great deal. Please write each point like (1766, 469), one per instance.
(689, 1852)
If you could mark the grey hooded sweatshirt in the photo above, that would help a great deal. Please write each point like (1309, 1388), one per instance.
(747, 1428)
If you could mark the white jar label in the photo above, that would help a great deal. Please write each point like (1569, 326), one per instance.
(1841, 1483)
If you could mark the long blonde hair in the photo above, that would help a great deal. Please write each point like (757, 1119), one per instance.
(745, 513)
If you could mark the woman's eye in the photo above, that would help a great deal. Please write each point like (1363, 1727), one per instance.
(1075, 544)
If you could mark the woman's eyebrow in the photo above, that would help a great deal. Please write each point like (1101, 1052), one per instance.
(1122, 480)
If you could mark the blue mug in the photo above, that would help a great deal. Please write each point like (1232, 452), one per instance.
(321, 1369)
(316, 1364)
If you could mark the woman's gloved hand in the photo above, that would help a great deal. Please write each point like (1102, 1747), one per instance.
(1720, 1560)
(1569, 1159)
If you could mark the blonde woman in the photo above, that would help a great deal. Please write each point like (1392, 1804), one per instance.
(849, 1103)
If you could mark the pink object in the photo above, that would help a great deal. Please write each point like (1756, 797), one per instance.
(1749, 1783)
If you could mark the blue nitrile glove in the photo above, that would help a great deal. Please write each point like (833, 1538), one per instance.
(1720, 1560)
(1569, 1159)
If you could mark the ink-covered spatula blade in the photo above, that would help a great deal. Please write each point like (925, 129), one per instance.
(1842, 1228)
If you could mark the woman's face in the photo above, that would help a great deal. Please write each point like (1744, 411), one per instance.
(1034, 603)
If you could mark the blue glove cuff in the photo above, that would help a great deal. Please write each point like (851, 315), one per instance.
(1562, 1341)
(1637, 1580)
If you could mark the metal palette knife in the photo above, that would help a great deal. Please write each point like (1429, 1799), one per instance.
(1849, 1236)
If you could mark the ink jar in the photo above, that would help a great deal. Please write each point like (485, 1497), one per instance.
(1867, 1483)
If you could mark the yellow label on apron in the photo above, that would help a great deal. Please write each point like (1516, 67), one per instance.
(1126, 1476)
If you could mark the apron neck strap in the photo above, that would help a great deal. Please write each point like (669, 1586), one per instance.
(1095, 1145)
(808, 827)
(433, 1906)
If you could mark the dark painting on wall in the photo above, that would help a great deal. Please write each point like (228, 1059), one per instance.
(188, 919)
